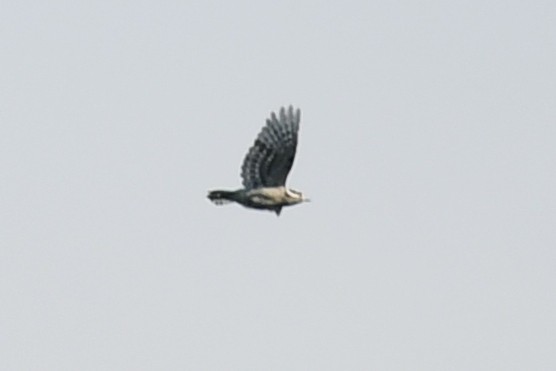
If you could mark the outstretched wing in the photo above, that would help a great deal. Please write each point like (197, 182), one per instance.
(270, 159)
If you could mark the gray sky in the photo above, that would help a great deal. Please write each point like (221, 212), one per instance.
(427, 145)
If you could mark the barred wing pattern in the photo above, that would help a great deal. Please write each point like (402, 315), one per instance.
(270, 159)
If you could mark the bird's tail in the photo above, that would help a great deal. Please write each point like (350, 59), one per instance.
(221, 197)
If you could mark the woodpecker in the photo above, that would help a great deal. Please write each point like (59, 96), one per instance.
(266, 167)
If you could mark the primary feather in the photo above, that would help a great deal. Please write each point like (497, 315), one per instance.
(270, 159)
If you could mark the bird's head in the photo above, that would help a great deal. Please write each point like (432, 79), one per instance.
(295, 197)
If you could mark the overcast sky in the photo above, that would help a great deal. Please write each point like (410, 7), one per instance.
(427, 145)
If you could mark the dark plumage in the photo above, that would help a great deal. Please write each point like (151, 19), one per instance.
(267, 165)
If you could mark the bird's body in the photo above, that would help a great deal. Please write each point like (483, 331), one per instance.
(266, 167)
(266, 198)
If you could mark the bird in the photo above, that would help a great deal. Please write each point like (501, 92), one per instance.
(266, 167)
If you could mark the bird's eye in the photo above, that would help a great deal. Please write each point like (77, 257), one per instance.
(293, 193)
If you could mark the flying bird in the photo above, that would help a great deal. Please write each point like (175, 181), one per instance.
(266, 167)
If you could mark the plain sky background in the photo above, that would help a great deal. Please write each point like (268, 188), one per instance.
(427, 145)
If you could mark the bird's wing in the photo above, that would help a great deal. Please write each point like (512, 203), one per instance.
(270, 159)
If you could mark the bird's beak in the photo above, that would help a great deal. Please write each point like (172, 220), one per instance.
(306, 200)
